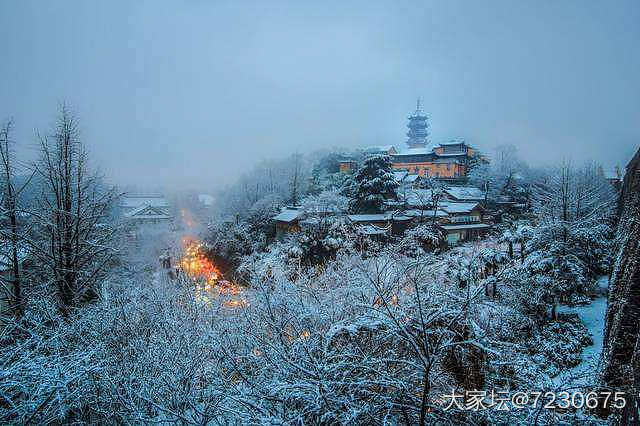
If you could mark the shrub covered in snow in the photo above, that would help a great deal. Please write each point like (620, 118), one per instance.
(421, 239)
(319, 244)
(559, 345)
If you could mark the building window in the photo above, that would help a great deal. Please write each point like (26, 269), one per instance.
(460, 219)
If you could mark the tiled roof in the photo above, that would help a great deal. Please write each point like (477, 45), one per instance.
(372, 230)
(450, 207)
(288, 215)
(465, 193)
(146, 212)
(414, 151)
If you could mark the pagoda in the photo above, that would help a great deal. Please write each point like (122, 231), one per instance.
(418, 128)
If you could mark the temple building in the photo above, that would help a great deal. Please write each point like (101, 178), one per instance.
(449, 160)
(418, 133)
(145, 209)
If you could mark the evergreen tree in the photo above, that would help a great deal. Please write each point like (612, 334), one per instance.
(371, 185)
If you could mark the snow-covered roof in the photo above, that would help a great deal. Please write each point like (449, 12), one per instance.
(372, 230)
(465, 193)
(147, 212)
(425, 213)
(310, 221)
(419, 197)
(468, 226)
(381, 148)
(450, 207)
(206, 199)
(414, 151)
(152, 216)
(288, 215)
(323, 210)
(380, 217)
(131, 201)
(411, 178)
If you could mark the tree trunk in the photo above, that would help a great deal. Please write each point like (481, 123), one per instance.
(17, 284)
(426, 386)
(554, 309)
(10, 203)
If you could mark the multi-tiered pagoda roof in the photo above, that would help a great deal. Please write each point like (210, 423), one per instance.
(418, 128)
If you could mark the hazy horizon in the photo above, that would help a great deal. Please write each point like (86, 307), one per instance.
(192, 94)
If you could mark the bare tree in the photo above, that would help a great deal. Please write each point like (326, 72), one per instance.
(507, 164)
(75, 238)
(502, 177)
(436, 195)
(484, 177)
(10, 196)
(295, 180)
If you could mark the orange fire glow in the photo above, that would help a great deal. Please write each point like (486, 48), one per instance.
(209, 282)
(195, 264)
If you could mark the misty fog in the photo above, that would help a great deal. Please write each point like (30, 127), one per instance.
(191, 94)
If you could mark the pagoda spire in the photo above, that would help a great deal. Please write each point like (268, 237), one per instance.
(418, 128)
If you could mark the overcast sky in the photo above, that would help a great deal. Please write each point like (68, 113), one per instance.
(197, 91)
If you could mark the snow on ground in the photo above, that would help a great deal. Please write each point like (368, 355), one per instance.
(592, 315)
